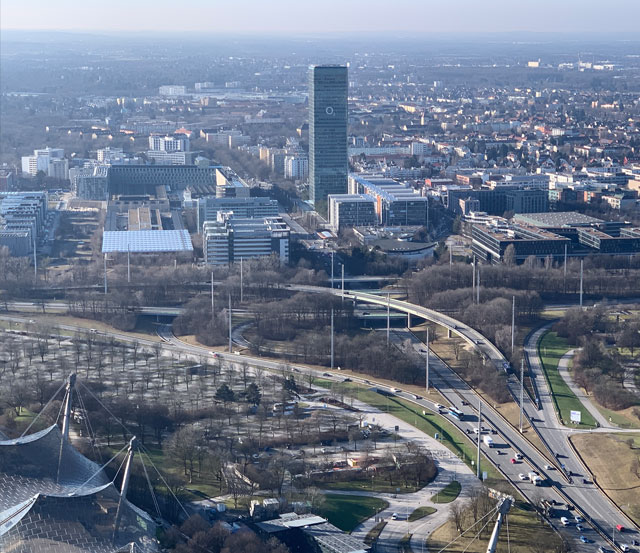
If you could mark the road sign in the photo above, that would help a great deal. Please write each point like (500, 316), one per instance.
(576, 416)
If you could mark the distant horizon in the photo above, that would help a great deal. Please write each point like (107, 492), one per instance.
(287, 17)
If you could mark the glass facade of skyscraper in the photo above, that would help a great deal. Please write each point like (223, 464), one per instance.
(328, 164)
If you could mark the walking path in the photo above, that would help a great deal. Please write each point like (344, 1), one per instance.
(563, 369)
(450, 468)
(629, 381)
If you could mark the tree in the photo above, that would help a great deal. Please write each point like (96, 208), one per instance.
(510, 256)
(253, 394)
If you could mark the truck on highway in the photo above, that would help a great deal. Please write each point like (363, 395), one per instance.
(487, 440)
(535, 478)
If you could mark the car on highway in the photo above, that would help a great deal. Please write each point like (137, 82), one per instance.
(579, 527)
(583, 539)
(347, 380)
(523, 476)
(548, 467)
(394, 516)
(602, 550)
(619, 528)
(565, 521)
(578, 519)
(519, 456)
(513, 460)
(624, 547)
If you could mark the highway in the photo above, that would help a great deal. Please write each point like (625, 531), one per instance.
(593, 503)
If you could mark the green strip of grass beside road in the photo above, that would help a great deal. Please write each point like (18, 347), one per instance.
(421, 512)
(374, 533)
(551, 348)
(429, 423)
(448, 493)
(347, 511)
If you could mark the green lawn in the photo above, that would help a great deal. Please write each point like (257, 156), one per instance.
(380, 485)
(429, 423)
(551, 348)
(448, 493)
(347, 511)
(421, 512)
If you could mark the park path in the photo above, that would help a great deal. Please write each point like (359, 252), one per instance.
(629, 381)
(563, 369)
(450, 468)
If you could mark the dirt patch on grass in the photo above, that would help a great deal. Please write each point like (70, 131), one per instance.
(620, 479)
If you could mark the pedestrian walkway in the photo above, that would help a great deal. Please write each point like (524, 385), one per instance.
(563, 369)
(450, 468)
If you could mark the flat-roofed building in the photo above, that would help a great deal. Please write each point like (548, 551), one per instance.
(229, 239)
(252, 207)
(351, 210)
(396, 204)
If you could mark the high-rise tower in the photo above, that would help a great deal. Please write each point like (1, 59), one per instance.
(328, 164)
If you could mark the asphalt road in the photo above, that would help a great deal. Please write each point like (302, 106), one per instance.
(590, 500)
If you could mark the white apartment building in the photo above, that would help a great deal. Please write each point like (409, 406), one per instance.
(296, 167)
(49, 160)
(172, 90)
(175, 143)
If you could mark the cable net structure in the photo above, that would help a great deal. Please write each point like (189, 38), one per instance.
(55, 500)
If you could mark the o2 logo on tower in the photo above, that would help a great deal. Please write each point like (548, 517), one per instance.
(329, 110)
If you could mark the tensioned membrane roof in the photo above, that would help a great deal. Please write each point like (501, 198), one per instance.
(55, 500)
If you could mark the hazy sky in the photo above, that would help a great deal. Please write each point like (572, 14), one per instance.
(319, 16)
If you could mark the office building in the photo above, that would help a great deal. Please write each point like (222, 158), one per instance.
(22, 217)
(351, 210)
(171, 158)
(143, 179)
(109, 154)
(91, 182)
(173, 143)
(396, 204)
(7, 179)
(172, 90)
(496, 200)
(51, 161)
(229, 239)
(328, 164)
(245, 208)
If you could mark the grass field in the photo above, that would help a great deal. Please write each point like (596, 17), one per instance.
(612, 459)
(429, 423)
(421, 512)
(551, 348)
(347, 511)
(448, 493)
(376, 484)
(524, 529)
